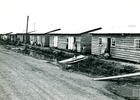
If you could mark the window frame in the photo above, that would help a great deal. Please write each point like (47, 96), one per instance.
(99, 41)
(135, 44)
(113, 41)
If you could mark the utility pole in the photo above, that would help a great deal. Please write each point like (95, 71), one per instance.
(27, 35)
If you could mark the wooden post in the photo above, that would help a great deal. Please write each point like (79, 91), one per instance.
(119, 76)
(27, 37)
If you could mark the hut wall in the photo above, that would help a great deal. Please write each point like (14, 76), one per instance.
(31, 37)
(95, 48)
(20, 36)
(12, 37)
(43, 40)
(78, 43)
(24, 38)
(35, 38)
(0, 36)
(39, 40)
(51, 43)
(124, 47)
(86, 40)
(15, 37)
(47, 39)
(63, 41)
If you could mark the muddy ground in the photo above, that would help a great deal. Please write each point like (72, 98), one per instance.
(27, 78)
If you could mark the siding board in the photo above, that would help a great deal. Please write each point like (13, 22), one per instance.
(81, 39)
(124, 48)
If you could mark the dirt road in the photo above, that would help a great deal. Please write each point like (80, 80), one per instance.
(26, 78)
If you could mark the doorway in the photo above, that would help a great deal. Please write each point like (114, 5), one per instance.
(104, 45)
(70, 43)
(108, 45)
(55, 41)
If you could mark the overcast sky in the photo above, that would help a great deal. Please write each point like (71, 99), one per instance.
(69, 15)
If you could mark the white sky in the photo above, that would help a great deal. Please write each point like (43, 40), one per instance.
(69, 15)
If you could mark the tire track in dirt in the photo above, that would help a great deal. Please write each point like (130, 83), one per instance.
(37, 79)
(32, 86)
(74, 86)
(20, 73)
(69, 84)
(8, 90)
(52, 88)
(83, 87)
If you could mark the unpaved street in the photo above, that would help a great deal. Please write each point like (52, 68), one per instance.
(26, 78)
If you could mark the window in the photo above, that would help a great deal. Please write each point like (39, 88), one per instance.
(137, 43)
(113, 42)
(100, 41)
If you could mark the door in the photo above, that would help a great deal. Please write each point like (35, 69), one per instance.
(70, 42)
(43, 40)
(55, 41)
(108, 45)
(103, 45)
(38, 40)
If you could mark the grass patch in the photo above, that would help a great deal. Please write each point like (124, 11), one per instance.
(104, 68)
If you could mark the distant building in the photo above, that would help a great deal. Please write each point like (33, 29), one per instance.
(21, 36)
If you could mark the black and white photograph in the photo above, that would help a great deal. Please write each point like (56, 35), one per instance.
(69, 50)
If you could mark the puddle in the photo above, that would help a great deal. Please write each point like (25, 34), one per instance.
(40, 55)
(36, 54)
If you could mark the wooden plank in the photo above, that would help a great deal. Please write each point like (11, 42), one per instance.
(119, 76)
(72, 59)
(71, 62)
(126, 54)
(125, 50)
(125, 58)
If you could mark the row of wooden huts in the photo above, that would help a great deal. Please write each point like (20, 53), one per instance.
(120, 45)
